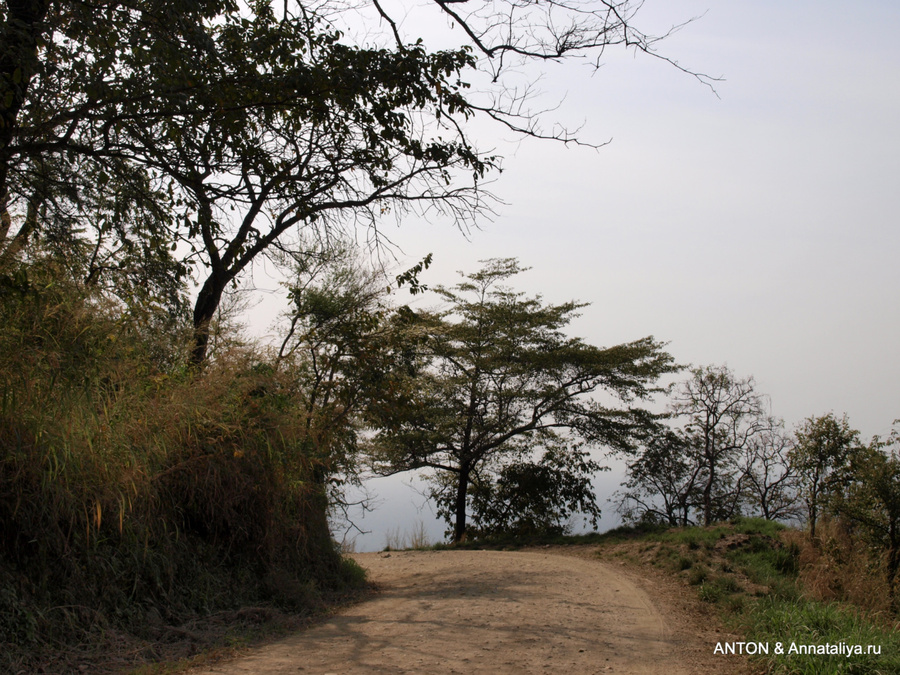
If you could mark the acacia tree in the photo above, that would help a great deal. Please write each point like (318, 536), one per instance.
(230, 128)
(496, 372)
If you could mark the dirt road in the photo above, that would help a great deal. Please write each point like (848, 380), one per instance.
(488, 612)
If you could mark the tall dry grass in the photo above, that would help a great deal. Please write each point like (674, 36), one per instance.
(839, 566)
(132, 487)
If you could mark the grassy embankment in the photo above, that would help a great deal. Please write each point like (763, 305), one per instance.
(772, 585)
(147, 510)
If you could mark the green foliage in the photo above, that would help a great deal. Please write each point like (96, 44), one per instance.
(696, 537)
(751, 570)
(720, 557)
(149, 139)
(804, 622)
(697, 575)
(535, 498)
(762, 526)
(718, 589)
(494, 379)
(662, 484)
(216, 109)
(866, 493)
(823, 447)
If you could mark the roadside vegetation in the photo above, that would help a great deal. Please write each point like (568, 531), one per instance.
(771, 584)
(138, 495)
(722, 457)
(775, 585)
(147, 502)
(157, 468)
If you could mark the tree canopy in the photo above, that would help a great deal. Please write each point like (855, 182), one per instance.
(722, 415)
(149, 141)
(722, 454)
(497, 378)
(866, 493)
(823, 447)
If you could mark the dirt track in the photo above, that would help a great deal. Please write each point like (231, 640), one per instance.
(489, 611)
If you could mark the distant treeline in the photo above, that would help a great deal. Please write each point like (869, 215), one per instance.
(722, 454)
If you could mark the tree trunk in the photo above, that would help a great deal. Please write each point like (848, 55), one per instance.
(18, 64)
(204, 310)
(462, 487)
(813, 509)
(893, 560)
(707, 496)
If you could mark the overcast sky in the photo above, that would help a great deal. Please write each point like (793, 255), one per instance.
(756, 228)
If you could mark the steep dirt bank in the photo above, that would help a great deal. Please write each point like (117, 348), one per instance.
(499, 612)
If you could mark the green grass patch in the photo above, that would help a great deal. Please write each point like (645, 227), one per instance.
(751, 576)
(697, 575)
(769, 528)
(801, 625)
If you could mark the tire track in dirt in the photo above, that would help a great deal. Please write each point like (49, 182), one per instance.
(445, 612)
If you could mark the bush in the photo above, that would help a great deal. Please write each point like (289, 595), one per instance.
(532, 498)
(697, 575)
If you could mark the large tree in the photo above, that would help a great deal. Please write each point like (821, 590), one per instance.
(823, 446)
(867, 495)
(722, 415)
(663, 482)
(224, 130)
(498, 377)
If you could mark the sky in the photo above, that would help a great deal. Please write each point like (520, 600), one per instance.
(753, 226)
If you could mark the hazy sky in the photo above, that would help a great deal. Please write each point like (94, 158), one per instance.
(756, 228)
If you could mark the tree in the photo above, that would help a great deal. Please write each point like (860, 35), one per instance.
(497, 377)
(769, 476)
(528, 498)
(225, 131)
(727, 455)
(823, 446)
(663, 482)
(61, 66)
(868, 495)
(723, 414)
(342, 348)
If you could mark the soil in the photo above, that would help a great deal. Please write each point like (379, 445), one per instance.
(535, 611)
